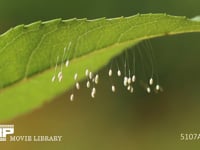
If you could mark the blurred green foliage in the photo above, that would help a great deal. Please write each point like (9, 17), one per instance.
(121, 121)
(23, 11)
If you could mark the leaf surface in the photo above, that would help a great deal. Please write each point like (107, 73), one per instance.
(28, 53)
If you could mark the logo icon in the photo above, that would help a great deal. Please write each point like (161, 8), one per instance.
(6, 130)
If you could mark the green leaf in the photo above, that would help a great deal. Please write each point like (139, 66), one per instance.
(28, 53)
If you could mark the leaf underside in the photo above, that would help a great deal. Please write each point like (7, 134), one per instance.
(28, 53)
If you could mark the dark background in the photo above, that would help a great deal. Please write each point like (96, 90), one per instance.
(117, 121)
